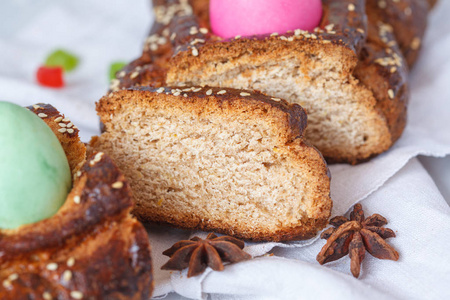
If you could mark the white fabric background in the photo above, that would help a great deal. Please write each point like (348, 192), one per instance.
(394, 184)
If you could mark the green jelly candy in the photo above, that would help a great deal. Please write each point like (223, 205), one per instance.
(35, 176)
(62, 58)
(114, 68)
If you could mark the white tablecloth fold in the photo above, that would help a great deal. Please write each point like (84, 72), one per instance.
(393, 184)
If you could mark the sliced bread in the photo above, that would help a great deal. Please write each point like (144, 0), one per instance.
(224, 160)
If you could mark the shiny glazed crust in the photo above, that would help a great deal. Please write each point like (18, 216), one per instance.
(92, 248)
(408, 19)
(172, 39)
(173, 46)
(289, 120)
(382, 69)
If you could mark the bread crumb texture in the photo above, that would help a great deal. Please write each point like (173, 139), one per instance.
(225, 163)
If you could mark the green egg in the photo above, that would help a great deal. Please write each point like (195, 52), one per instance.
(35, 176)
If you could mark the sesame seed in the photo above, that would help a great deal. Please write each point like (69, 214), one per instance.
(13, 276)
(193, 30)
(152, 38)
(297, 32)
(96, 159)
(393, 69)
(35, 106)
(42, 115)
(415, 44)
(176, 94)
(237, 37)
(276, 99)
(117, 185)
(391, 93)
(78, 173)
(153, 47)
(134, 75)
(203, 30)
(392, 44)
(52, 266)
(187, 90)
(243, 94)
(360, 30)
(173, 36)
(7, 284)
(47, 296)
(160, 90)
(326, 42)
(194, 51)
(162, 40)
(58, 119)
(351, 7)
(70, 130)
(185, 95)
(329, 27)
(62, 130)
(76, 295)
(115, 82)
(197, 90)
(67, 275)
(121, 74)
(408, 11)
(274, 34)
(70, 262)
(77, 199)
(209, 92)
(382, 4)
(221, 92)
(64, 125)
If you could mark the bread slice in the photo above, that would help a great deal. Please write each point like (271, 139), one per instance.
(92, 248)
(327, 71)
(217, 159)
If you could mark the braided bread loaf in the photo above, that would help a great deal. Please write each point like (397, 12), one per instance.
(350, 74)
(92, 248)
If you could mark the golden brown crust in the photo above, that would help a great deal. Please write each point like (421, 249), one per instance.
(288, 121)
(91, 248)
(383, 70)
(343, 29)
(291, 118)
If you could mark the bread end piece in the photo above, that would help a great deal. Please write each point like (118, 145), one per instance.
(214, 159)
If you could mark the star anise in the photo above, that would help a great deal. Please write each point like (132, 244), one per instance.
(354, 237)
(197, 254)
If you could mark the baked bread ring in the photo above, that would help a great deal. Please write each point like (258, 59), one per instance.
(354, 112)
(92, 248)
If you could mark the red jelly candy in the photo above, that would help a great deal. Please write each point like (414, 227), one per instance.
(50, 76)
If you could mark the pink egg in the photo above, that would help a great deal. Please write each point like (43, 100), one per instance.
(250, 17)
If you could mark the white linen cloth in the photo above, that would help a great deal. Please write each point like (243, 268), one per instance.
(393, 184)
